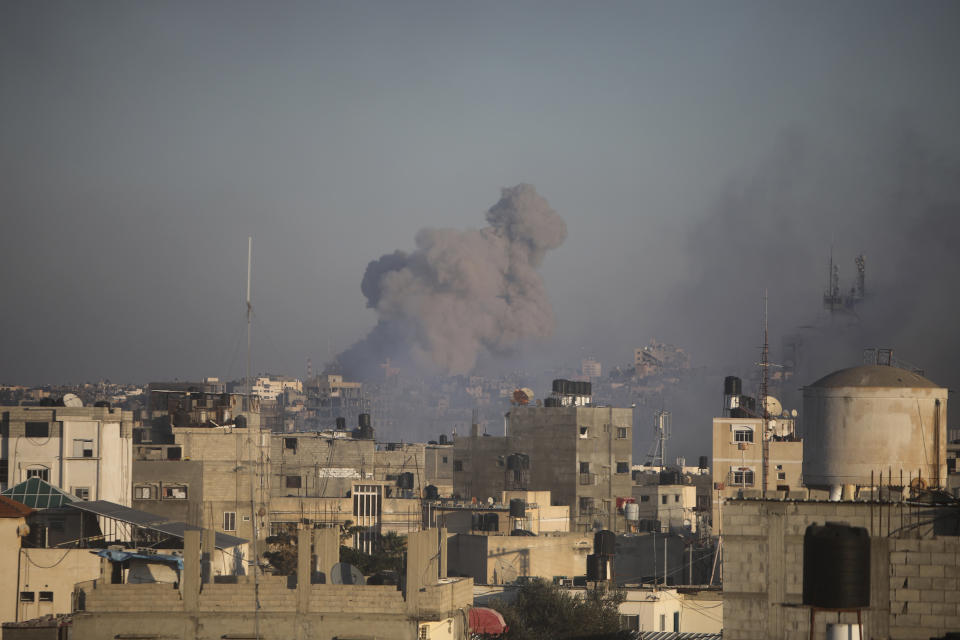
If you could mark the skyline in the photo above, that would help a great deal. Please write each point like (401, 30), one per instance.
(699, 154)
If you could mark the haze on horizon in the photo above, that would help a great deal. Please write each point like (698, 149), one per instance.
(698, 153)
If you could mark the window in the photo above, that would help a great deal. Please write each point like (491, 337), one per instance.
(623, 467)
(82, 492)
(294, 482)
(584, 467)
(676, 498)
(83, 448)
(39, 472)
(781, 475)
(26, 596)
(663, 622)
(663, 499)
(584, 432)
(630, 623)
(644, 498)
(779, 467)
(143, 492)
(622, 435)
(458, 465)
(743, 477)
(37, 430)
(290, 444)
(4, 470)
(743, 434)
(46, 596)
(229, 520)
(586, 506)
(174, 453)
(174, 492)
(444, 459)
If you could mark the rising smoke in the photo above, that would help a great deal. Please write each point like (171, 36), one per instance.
(461, 293)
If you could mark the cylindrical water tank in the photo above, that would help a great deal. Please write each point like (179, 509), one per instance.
(604, 542)
(632, 511)
(870, 418)
(732, 386)
(363, 420)
(431, 492)
(518, 508)
(704, 462)
(341, 424)
(836, 566)
(836, 631)
(596, 567)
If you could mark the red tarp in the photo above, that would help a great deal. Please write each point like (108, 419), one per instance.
(488, 621)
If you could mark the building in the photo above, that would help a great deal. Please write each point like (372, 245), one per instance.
(590, 368)
(674, 506)
(505, 559)
(272, 387)
(429, 606)
(85, 451)
(530, 511)
(13, 521)
(581, 454)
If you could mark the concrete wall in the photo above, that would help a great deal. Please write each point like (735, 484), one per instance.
(56, 571)
(155, 474)
(9, 559)
(915, 583)
(503, 559)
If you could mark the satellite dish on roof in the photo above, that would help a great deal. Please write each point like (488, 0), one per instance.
(71, 400)
(773, 406)
(490, 501)
(346, 573)
(793, 412)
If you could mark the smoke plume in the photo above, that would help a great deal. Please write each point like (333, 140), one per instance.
(462, 293)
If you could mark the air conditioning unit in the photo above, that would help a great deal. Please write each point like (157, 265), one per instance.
(742, 446)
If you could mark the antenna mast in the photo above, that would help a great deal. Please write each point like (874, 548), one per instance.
(253, 506)
(765, 414)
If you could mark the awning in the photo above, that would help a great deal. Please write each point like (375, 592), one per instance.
(115, 555)
(487, 621)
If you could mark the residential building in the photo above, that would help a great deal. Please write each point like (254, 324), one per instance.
(581, 454)
(13, 521)
(85, 451)
(674, 506)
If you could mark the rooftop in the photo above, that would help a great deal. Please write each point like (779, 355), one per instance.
(873, 375)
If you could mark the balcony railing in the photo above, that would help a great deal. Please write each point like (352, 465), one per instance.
(588, 479)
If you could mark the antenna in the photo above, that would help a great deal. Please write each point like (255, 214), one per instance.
(662, 428)
(249, 314)
(764, 381)
(253, 508)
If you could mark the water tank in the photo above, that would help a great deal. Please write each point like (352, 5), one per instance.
(869, 418)
(558, 385)
(596, 568)
(405, 480)
(836, 566)
(518, 508)
(363, 420)
(732, 386)
(704, 462)
(443, 438)
(365, 432)
(431, 492)
(341, 424)
(632, 511)
(604, 542)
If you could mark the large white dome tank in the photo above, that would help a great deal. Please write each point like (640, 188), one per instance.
(873, 418)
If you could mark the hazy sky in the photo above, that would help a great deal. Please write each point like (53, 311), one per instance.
(698, 152)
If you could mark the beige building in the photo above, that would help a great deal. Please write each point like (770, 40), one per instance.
(84, 451)
(503, 559)
(581, 454)
(738, 461)
(539, 515)
(431, 607)
(13, 520)
(673, 505)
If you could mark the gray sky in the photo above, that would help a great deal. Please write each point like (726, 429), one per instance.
(697, 151)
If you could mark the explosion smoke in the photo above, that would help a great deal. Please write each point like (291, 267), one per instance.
(460, 293)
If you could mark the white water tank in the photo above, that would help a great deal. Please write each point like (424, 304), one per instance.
(873, 418)
(632, 511)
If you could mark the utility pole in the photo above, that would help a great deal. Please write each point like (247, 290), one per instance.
(253, 505)
(764, 380)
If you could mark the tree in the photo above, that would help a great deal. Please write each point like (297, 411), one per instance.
(543, 611)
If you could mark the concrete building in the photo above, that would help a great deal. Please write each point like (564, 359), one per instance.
(674, 506)
(738, 461)
(13, 520)
(84, 451)
(504, 559)
(539, 515)
(914, 568)
(271, 387)
(581, 454)
(430, 607)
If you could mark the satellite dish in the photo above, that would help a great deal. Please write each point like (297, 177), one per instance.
(71, 400)
(785, 414)
(346, 573)
(773, 406)
(793, 412)
(490, 501)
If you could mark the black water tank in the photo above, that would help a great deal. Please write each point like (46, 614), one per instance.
(365, 432)
(836, 566)
(703, 462)
(431, 492)
(558, 385)
(518, 508)
(604, 542)
(443, 438)
(587, 388)
(596, 567)
(363, 420)
(341, 424)
(732, 386)
(405, 480)
(749, 403)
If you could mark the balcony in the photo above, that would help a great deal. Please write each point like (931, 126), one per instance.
(588, 479)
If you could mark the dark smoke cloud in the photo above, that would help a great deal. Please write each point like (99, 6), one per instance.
(462, 293)
(879, 189)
